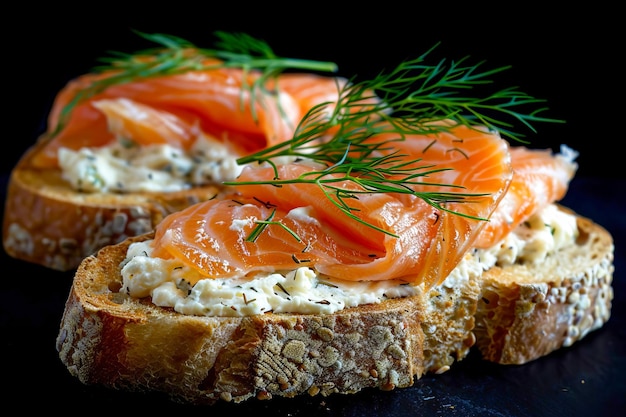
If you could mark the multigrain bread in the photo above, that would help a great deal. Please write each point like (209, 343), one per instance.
(526, 311)
(48, 222)
(110, 339)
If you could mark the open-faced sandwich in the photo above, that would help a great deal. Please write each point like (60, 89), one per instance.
(356, 233)
(134, 141)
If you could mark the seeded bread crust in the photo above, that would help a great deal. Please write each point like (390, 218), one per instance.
(526, 312)
(47, 222)
(110, 339)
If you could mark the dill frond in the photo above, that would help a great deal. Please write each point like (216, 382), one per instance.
(411, 99)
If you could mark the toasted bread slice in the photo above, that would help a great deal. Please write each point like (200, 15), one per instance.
(528, 311)
(111, 339)
(49, 223)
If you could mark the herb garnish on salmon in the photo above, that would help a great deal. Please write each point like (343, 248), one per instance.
(414, 99)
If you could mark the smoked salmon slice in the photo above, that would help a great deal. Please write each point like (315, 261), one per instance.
(213, 238)
(217, 102)
(540, 177)
(146, 125)
(424, 242)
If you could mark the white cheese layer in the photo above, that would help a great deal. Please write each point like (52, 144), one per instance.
(302, 291)
(121, 167)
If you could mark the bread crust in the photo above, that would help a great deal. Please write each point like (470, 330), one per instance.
(47, 222)
(528, 311)
(110, 339)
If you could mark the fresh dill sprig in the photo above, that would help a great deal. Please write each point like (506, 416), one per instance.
(414, 98)
(262, 224)
(175, 55)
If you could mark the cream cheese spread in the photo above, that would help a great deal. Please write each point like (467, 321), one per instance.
(303, 291)
(125, 167)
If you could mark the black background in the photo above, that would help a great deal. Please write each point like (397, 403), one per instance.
(570, 57)
(567, 56)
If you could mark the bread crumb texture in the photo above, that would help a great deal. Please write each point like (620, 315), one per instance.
(525, 311)
(202, 360)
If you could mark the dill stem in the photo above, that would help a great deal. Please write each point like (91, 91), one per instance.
(280, 63)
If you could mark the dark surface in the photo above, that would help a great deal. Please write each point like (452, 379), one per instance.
(567, 57)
